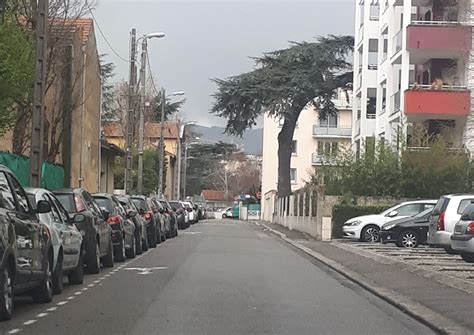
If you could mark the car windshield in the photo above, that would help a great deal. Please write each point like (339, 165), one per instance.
(67, 200)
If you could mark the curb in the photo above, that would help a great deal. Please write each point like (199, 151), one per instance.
(417, 311)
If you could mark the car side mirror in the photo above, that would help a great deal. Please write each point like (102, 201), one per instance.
(105, 213)
(79, 218)
(132, 213)
(43, 207)
(392, 214)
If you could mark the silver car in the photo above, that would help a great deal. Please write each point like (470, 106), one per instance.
(68, 255)
(462, 239)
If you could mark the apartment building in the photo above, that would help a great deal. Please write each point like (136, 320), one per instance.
(313, 140)
(412, 70)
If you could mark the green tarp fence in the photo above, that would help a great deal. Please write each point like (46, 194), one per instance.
(52, 175)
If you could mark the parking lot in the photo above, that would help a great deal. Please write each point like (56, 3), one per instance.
(434, 262)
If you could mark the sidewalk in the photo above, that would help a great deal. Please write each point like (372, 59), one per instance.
(443, 307)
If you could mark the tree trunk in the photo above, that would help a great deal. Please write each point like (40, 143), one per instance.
(285, 140)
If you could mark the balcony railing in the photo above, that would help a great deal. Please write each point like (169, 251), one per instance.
(397, 42)
(319, 159)
(371, 116)
(396, 101)
(449, 101)
(331, 131)
(438, 35)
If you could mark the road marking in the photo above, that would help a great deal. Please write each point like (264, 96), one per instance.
(62, 303)
(90, 285)
(52, 309)
(71, 297)
(78, 293)
(14, 331)
(147, 271)
(42, 315)
(192, 232)
(85, 289)
(102, 278)
(106, 276)
(97, 281)
(29, 322)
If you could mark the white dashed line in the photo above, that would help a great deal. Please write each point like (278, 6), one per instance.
(14, 331)
(90, 285)
(29, 322)
(107, 276)
(85, 289)
(97, 281)
(78, 293)
(52, 309)
(42, 315)
(71, 297)
(62, 303)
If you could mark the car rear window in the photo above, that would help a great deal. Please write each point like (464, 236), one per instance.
(67, 200)
(140, 203)
(442, 204)
(176, 204)
(106, 203)
(463, 204)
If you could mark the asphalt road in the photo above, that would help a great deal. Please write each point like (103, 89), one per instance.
(218, 277)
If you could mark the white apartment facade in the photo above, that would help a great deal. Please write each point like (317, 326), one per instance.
(313, 139)
(413, 69)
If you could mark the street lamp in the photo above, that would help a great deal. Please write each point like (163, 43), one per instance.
(162, 147)
(141, 130)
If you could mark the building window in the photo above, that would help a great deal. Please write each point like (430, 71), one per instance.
(328, 148)
(328, 121)
(294, 147)
(293, 175)
(374, 11)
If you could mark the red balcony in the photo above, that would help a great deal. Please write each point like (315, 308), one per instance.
(443, 103)
(431, 36)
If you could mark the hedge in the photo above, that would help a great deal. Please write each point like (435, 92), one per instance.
(342, 213)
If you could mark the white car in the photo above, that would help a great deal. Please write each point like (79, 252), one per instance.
(446, 214)
(227, 213)
(367, 228)
(189, 208)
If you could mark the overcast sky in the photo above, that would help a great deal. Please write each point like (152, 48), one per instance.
(213, 39)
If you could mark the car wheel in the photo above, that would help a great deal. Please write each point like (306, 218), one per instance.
(44, 293)
(58, 277)
(152, 240)
(120, 257)
(93, 265)
(370, 233)
(76, 277)
(145, 243)
(468, 257)
(6, 295)
(224, 216)
(138, 242)
(108, 259)
(176, 231)
(158, 235)
(450, 251)
(408, 239)
(132, 252)
(163, 237)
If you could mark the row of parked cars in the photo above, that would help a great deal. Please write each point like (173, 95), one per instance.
(46, 235)
(447, 222)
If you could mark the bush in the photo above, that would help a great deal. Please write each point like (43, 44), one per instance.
(342, 213)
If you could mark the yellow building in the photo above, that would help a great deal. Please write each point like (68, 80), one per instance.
(113, 132)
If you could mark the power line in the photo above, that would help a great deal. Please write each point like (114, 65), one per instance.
(151, 74)
(105, 38)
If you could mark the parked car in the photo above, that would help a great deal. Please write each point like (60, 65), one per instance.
(173, 232)
(446, 214)
(65, 238)
(227, 213)
(164, 216)
(139, 221)
(26, 247)
(153, 222)
(462, 240)
(181, 214)
(189, 208)
(96, 233)
(123, 229)
(407, 232)
(367, 228)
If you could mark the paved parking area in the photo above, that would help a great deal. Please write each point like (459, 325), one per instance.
(434, 260)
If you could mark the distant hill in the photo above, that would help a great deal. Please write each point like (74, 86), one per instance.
(251, 142)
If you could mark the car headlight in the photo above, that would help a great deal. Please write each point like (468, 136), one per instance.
(388, 227)
(353, 223)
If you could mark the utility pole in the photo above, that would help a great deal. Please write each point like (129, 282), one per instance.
(36, 153)
(131, 113)
(162, 146)
(141, 130)
(185, 169)
(177, 175)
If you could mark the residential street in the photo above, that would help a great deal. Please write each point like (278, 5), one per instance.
(218, 277)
